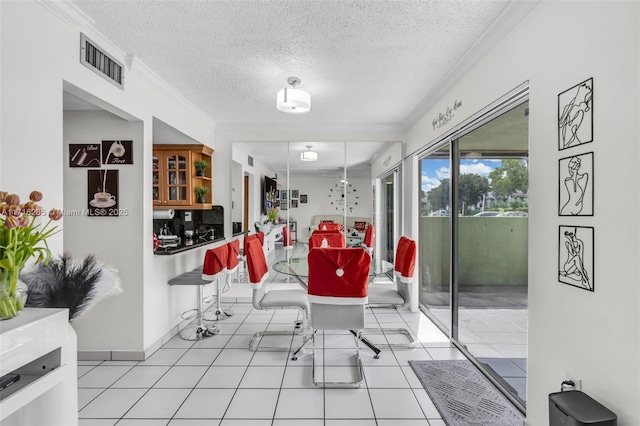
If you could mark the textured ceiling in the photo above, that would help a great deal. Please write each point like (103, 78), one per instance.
(365, 63)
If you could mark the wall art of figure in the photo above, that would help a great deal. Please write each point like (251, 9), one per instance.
(576, 185)
(575, 115)
(575, 256)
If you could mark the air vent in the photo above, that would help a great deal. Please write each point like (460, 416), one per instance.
(99, 62)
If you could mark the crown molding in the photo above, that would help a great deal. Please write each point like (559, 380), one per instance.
(305, 128)
(510, 16)
(76, 18)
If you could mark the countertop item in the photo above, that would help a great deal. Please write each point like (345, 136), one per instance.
(184, 246)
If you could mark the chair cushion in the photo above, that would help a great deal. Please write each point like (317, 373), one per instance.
(285, 298)
(386, 296)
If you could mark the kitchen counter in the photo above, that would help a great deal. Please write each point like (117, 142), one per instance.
(184, 247)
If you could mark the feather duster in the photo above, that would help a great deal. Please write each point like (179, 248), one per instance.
(65, 283)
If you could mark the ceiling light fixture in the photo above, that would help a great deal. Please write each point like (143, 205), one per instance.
(292, 100)
(309, 155)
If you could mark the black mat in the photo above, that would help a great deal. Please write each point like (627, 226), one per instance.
(464, 396)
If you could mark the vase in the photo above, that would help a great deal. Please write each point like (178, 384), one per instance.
(13, 293)
(201, 199)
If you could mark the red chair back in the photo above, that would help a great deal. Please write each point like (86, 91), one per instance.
(287, 242)
(215, 263)
(256, 263)
(338, 276)
(329, 226)
(233, 255)
(368, 237)
(327, 239)
(405, 261)
(258, 235)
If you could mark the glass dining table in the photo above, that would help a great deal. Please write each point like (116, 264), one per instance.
(298, 267)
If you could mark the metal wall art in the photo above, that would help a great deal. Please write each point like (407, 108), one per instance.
(576, 185)
(575, 115)
(576, 256)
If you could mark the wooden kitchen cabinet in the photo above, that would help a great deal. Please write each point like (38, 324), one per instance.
(175, 176)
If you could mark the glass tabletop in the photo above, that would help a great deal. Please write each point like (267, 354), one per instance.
(299, 267)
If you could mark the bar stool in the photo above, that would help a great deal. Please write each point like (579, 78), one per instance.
(195, 330)
(243, 255)
(214, 268)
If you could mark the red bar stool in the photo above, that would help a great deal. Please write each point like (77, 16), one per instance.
(215, 268)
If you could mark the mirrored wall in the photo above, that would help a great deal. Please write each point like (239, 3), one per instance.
(336, 186)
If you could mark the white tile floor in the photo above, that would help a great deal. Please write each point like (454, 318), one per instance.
(218, 381)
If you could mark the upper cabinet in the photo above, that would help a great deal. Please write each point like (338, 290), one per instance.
(177, 179)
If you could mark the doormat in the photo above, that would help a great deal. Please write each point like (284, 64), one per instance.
(464, 396)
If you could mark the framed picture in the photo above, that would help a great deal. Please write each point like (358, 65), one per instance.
(84, 155)
(283, 194)
(575, 115)
(575, 256)
(284, 205)
(294, 194)
(294, 204)
(575, 187)
(303, 198)
(117, 152)
(102, 192)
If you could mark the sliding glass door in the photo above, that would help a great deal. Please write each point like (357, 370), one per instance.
(435, 239)
(473, 244)
(389, 209)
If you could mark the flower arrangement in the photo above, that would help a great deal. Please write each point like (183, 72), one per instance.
(272, 214)
(21, 238)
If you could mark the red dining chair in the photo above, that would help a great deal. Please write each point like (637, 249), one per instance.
(326, 239)
(338, 279)
(273, 299)
(367, 242)
(404, 267)
(329, 226)
(216, 261)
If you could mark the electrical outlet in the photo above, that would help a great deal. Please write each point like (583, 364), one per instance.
(577, 382)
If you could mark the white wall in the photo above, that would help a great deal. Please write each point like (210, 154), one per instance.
(32, 130)
(592, 336)
(117, 319)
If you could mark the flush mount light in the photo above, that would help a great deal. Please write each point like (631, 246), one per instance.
(309, 155)
(292, 100)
